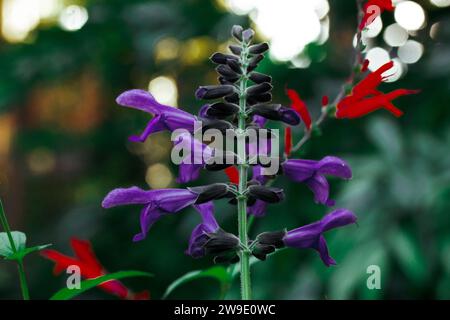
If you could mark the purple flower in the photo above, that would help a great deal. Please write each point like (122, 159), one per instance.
(311, 235)
(199, 235)
(156, 203)
(192, 163)
(312, 173)
(166, 118)
(260, 121)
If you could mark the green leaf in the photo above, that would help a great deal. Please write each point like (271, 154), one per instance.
(23, 252)
(19, 239)
(66, 293)
(217, 272)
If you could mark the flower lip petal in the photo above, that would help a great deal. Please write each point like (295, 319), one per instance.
(334, 166)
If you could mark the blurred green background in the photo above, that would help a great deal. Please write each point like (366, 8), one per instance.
(63, 140)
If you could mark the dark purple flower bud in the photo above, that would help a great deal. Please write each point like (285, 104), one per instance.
(166, 118)
(210, 192)
(200, 233)
(311, 235)
(268, 242)
(214, 92)
(221, 160)
(222, 109)
(253, 62)
(236, 32)
(235, 49)
(226, 72)
(276, 112)
(223, 80)
(235, 66)
(262, 98)
(220, 125)
(247, 35)
(258, 77)
(266, 194)
(312, 173)
(221, 242)
(258, 48)
(221, 58)
(156, 203)
(232, 98)
(259, 89)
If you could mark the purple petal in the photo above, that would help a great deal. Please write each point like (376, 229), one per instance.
(258, 209)
(322, 248)
(149, 215)
(338, 218)
(299, 170)
(206, 210)
(289, 116)
(320, 187)
(125, 196)
(188, 172)
(173, 200)
(141, 100)
(199, 234)
(335, 167)
(157, 124)
(311, 235)
(259, 121)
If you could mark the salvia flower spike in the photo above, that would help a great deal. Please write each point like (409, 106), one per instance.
(239, 102)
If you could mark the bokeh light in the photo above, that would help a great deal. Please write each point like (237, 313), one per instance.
(395, 72)
(164, 89)
(73, 18)
(410, 15)
(158, 176)
(374, 29)
(441, 3)
(395, 36)
(289, 25)
(377, 57)
(410, 52)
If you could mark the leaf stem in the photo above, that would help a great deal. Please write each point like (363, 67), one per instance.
(22, 277)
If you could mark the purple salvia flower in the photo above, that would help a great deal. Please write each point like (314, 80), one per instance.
(166, 117)
(312, 173)
(156, 203)
(191, 165)
(311, 235)
(199, 235)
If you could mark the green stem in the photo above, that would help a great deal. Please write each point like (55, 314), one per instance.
(242, 199)
(22, 277)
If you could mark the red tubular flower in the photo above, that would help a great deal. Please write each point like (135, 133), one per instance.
(365, 98)
(373, 9)
(299, 106)
(90, 268)
(233, 174)
(325, 101)
(287, 141)
(365, 65)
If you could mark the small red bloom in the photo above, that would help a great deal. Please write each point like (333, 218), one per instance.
(233, 174)
(325, 101)
(365, 65)
(90, 268)
(287, 141)
(373, 9)
(299, 106)
(365, 97)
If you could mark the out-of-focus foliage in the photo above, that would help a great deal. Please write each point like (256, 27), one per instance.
(63, 147)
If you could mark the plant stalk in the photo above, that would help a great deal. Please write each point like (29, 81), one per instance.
(22, 277)
(242, 166)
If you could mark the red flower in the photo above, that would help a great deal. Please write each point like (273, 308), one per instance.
(233, 174)
(299, 106)
(90, 268)
(365, 98)
(365, 65)
(373, 9)
(287, 141)
(325, 101)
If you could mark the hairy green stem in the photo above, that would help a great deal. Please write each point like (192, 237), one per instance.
(242, 199)
(22, 277)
